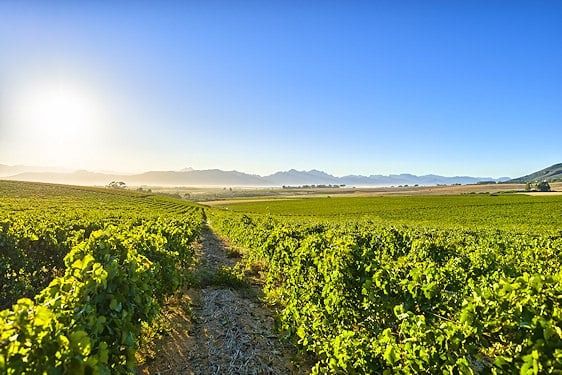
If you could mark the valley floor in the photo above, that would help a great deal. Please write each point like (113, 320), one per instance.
(290, 194)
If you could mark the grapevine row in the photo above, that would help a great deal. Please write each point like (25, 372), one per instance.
(367, 298)
(95, 266)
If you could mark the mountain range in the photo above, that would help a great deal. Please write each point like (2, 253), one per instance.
(221, 178)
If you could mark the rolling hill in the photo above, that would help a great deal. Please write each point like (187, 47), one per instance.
(549, 174)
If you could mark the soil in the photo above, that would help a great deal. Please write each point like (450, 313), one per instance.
(217, 328)
(543, 194)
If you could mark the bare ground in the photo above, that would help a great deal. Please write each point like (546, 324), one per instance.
(216, 328)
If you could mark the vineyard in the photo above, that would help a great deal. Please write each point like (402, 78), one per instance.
(465, 284)
(457, 284)
(513, 212)
(95, 266)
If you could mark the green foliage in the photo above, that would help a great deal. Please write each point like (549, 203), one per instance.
(229, 277)
(543, 186)
(510, 211)
(117, 185)
(372, 298)
(465, 284)
(40, 223)
(115, 274)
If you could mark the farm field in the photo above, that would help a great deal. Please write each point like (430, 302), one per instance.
(435, 284)
(94, 265)
(218, 196)
(221, 196)
(509, 211)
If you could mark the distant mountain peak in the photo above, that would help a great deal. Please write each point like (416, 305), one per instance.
(217, 177)
(319, 173)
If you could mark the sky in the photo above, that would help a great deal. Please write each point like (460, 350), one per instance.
(355, 87)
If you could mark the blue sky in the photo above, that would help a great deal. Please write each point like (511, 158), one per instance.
(444, 87)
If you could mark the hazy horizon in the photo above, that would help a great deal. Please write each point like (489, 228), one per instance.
(61, 169)
(452, 89)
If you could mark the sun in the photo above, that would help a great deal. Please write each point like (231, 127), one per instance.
(57, 124)
(61, 114)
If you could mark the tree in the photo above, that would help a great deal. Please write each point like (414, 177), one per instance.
(543, 186)
(117, 185)
(528, 186)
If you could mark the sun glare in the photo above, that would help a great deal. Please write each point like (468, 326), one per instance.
(61, 114)
(57, 124)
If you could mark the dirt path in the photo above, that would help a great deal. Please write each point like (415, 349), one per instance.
(228, 330)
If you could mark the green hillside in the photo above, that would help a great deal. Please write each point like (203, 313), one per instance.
(550, 174)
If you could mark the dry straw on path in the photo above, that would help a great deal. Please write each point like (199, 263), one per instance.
(227, 330)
